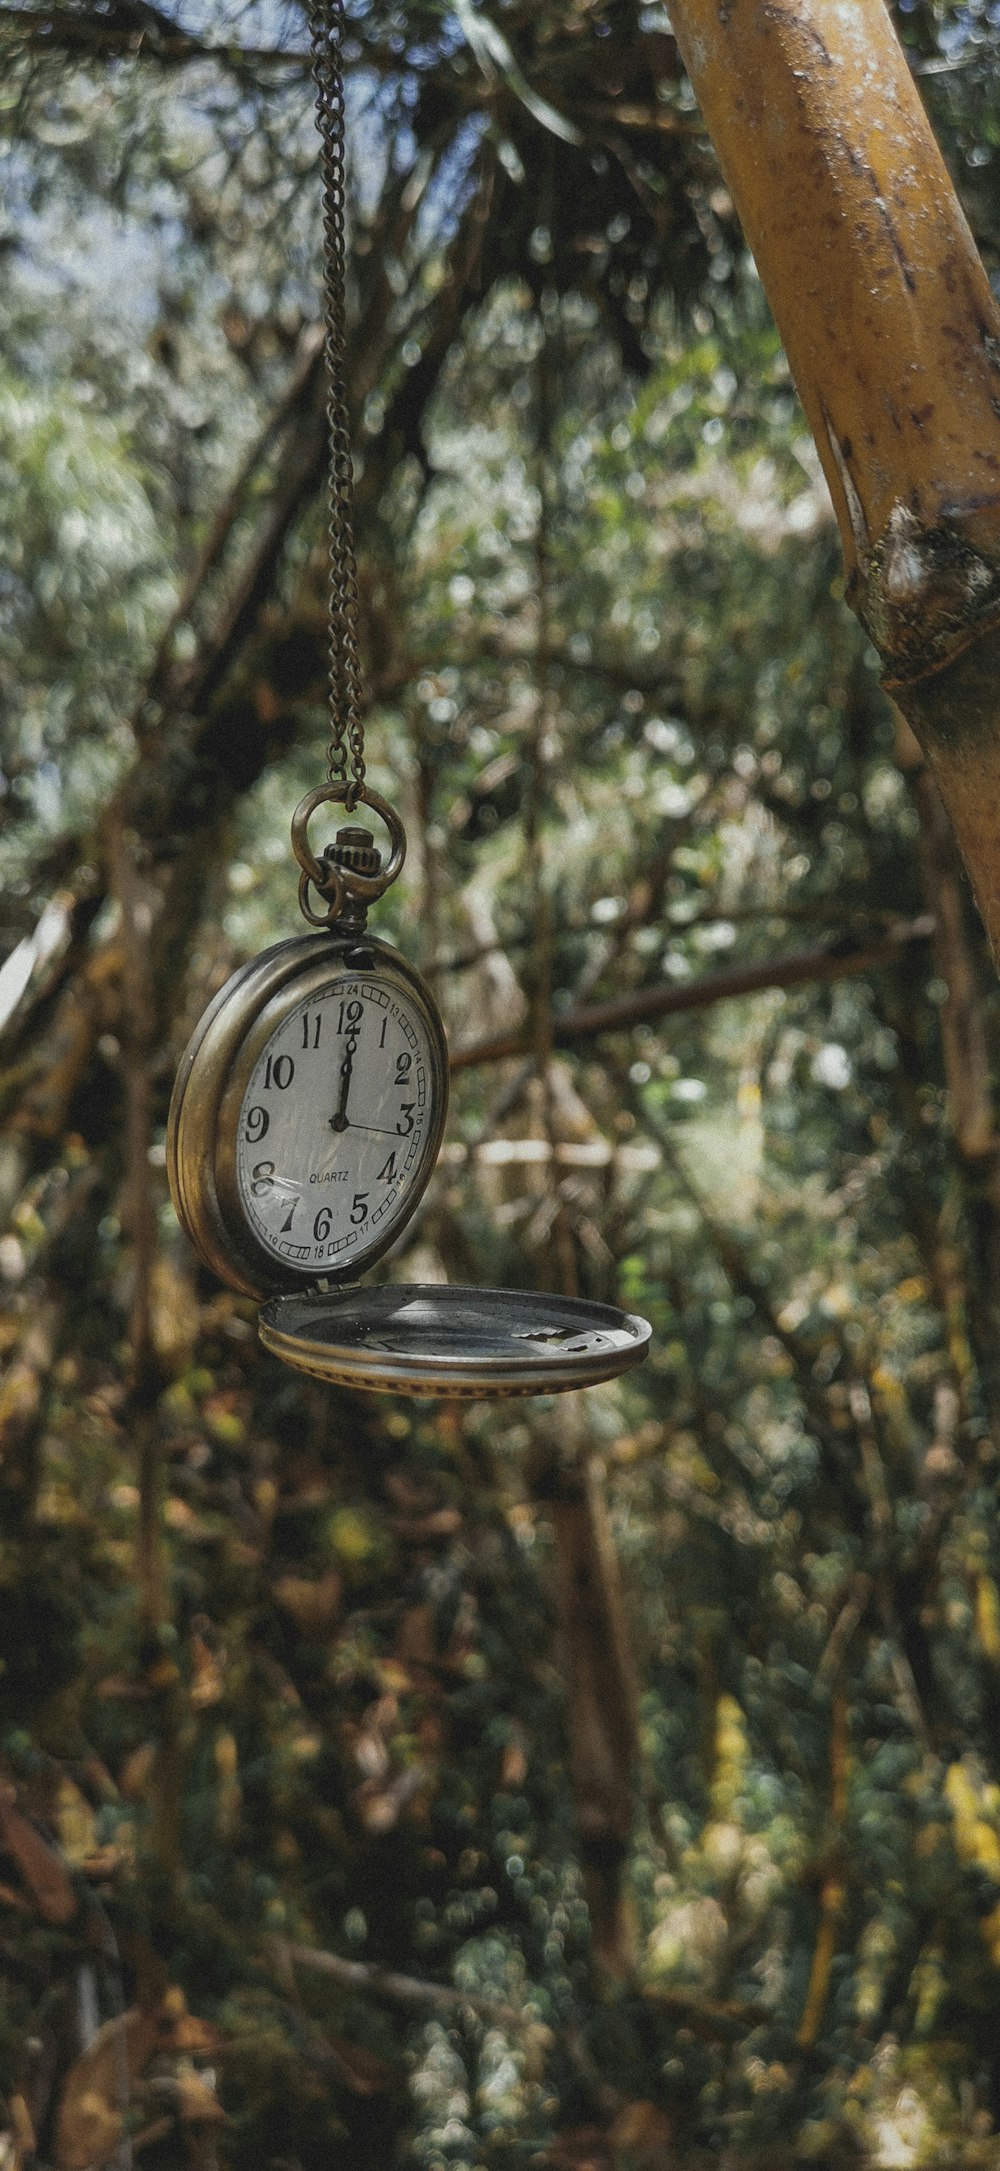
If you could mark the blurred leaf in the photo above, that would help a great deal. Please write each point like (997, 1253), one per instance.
(39, 1864)
(95, 2092)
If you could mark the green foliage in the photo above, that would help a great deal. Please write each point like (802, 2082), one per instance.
(340, 1704)
(82, 555)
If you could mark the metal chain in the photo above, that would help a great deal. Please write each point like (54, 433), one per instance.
(347, 732)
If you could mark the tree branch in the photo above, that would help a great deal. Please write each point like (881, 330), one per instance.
(299, 393)
(384, 1983)
(800, 968)
(150, 35)
(203, 738)
(364, 1978)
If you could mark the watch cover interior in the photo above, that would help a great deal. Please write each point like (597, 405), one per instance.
(404, 1338)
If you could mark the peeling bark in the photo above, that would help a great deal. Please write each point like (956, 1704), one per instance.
(893, 337)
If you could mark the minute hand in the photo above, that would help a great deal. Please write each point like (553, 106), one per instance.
(339, 1121)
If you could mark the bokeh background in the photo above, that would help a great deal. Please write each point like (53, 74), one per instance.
(609, 1784)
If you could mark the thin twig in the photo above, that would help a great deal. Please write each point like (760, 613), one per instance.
(834, 1892)
(152, 37)
(379, 1982)
(848, 1620)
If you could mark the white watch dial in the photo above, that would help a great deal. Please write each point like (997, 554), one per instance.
(335, 1125)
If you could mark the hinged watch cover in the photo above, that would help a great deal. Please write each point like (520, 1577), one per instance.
(434, 1339)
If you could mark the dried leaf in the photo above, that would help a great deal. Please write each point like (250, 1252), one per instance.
(420, 1529)
(95, 2090)
(90, 2133)
(224, 1416)
(39, 1865)
(409, 1498)
(157, 2131)
(22, 2131)
(416, 1641)
(267, 702)
(76, 1823)
(642, 2132)
(227, 1756)
(313, 1602)
(137, 1771)
(106, 1862)
(363, 2072)
(123, 1688)
(380, 1808)
(586, 2148)
(206, 1678)
(194, 2037)
(20, 1395)
(513, 1764)
(98, 1779)
(197, 2102)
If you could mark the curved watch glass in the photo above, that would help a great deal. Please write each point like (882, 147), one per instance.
(335, 1124)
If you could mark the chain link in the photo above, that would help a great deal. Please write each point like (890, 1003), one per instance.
(346, 752)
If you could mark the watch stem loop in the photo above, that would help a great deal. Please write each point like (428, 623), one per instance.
(332, 889)
(350, 868)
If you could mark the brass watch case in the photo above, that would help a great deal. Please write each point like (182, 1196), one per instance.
(215, 1070)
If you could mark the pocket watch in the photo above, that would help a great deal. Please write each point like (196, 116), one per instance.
(304, 1125)
(309, 1105)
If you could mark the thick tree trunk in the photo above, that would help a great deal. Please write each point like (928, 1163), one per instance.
(893, 337)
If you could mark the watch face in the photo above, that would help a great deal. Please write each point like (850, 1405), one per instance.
(336, 1125)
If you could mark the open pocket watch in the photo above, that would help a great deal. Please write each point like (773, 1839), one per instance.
(309, 1106)
(305, 1123)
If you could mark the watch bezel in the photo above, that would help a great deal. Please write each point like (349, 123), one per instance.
(202, 1130)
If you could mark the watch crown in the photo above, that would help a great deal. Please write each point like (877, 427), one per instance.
(355, 850)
